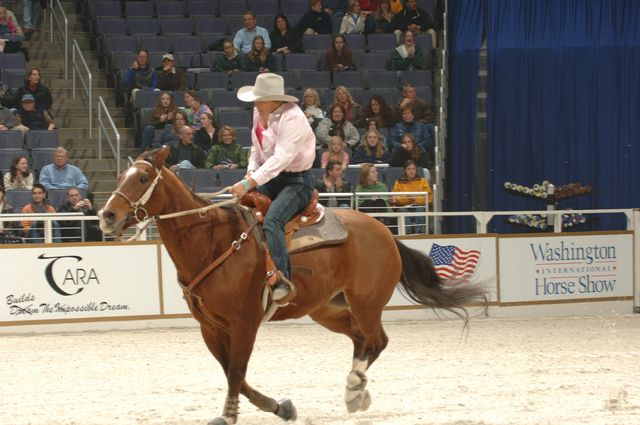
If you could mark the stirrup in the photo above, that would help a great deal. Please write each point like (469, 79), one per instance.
(282, 289)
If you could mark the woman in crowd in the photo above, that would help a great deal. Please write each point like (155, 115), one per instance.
(312, 108)
(408, 55)
(7, 228)
(285, 39)
(336, 152)
(382, 17)
(206, 136)
(412, 182)
(369, 182)
(339, 56)
(336, 124)
(409, 150)
(229, 60)
(227, 154)
(195, 108)
(352, 109)
(41, 94)
(378, 109)
(259, 58)
(181, 119)
(372, 124)
(371, 150)
(162, 118)
(354, 19)
(19, 177)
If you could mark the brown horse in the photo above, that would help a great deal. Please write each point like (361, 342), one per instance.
(343, 287)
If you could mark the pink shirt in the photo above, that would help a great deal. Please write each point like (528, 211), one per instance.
(288, 144)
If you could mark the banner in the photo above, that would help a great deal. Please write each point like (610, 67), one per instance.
(46, 283)
(563, 267)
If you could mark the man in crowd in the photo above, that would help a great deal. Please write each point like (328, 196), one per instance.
(421, 109)
(243, 39)
(34, 232)
(185, 154)
(71, 230)
(171, 78)
(316, 20)
(33, 118)
(333, 182)
(61, 175)
(140, 76)
(415, 19)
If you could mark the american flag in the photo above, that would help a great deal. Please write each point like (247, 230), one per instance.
(452, 263)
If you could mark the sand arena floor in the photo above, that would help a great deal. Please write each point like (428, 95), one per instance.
(506, 371)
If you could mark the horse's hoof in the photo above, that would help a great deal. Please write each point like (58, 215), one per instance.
(286, 410)
(354, 404)
(221, 420)
(366, 400)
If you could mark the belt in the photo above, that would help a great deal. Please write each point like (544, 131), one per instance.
(294, 173)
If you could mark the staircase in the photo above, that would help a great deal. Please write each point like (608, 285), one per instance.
(72, 115)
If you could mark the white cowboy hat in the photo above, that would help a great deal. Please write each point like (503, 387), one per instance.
(268, 87)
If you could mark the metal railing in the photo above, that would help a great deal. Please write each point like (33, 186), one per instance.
(103, 131)
(86, 80)
(61, 21)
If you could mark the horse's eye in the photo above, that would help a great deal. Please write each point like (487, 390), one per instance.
(144, 179)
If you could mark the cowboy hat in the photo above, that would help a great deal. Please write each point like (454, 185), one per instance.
(268, 87)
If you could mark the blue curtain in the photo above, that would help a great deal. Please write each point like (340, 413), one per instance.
(466, 26)
(563, 99)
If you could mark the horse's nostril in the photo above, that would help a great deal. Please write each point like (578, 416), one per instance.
(108, 216)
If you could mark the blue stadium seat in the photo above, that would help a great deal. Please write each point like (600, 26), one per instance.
(119, 43)
(104, 8)
(12, 61)
(243, 136)
(170, 8)
(226, 99)
(390, 95)
(11, 139)
(294, 7)
(366, 61)
(263, 7)
(317, 42)
(201, 8)
(185, 43)
(417, 78)
(230, 177)
(196, 179)
(424, 41)
(234, 7)
(110, 25)
(378, 79)
(7, 155)
(41, 157)
(209, 24)
(289, 78)
(302, 61)
(315, 79)
(146, 98)
(233, 23)
(176, 25)
(18, 199)
(41, 139)
(213, 80)
(140, 25)
(349, 79)
(154, 43)
(13, 78)
(381, 43)
(356, 42)
(234, 117)
(352, 175)
(241, 79)
(138, 8)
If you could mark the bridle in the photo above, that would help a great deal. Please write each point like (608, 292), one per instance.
(146, 220)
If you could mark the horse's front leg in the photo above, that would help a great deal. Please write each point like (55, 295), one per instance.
(283, 409)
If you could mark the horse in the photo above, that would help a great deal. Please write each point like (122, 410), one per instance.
(221, 267)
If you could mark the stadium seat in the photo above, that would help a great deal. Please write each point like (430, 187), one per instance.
(234, 117)
(294, 7)
(417, 78)
(185, 43)
(201, 8)
(7, 155)
(176, 25)
(140, 25)
(11, 139)
(170, 8)
(18, 199)
(381, 43)
(378, 79)
(41, 157)
(302, 61)
(154, 43)
(367, 61)
(199, 178)
(243, 136)
(349, 79)
(317, 42)
(230, 177)
(209, 25)
(213, 80)
(12, 61)
(138, 8)
(13, 78)
(41, 139)
(356, 42)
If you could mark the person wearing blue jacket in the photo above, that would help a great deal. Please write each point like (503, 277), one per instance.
(316, 20)
(421, 131)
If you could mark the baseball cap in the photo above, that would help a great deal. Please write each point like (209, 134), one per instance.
(28, 97)
(168, 56)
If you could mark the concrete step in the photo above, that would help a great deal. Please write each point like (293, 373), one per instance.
(65, 93)
(98, 79)
(106, 186)
(67, 121)
(81, 133)
(44, 45)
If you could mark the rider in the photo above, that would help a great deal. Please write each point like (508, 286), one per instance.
(283, 151)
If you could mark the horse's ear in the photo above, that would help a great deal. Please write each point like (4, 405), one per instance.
(160, 156)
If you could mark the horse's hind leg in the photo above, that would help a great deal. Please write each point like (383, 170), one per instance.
(368, 341)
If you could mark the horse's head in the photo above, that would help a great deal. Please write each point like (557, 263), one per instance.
(132, 201)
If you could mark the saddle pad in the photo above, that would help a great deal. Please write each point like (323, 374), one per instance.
(329, 231)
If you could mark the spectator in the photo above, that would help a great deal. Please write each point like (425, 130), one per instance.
(396, 6)
(411, 182)
(7, 228)
(353, 21)
(244, 38)
(259, 59)
(140, 76)
(195, 108)
(71, 230)
(162, 116)
(19, 177)
(421, 108)
(312, 108)
(379, 110)
(229, 60)
(333, 182)
(206, 135)
(41, 94)
(171, 78)
(414, 19)
(8, 121)
(369, 183)
(8, 30)
(372, 124)
(409, 150)
(335, 124)
(334, 8)
(39, 204)
(30, 16)
(32, 118)
(285, 39)
(227, 154)
(316, 20)
(173, 136)
(339, 56)
(12, 17)
(184, 154)
(60, 174)
(408, 124)
(408, 56)
(372, 150)
(383, 17)
(352, 110)
(336, 152)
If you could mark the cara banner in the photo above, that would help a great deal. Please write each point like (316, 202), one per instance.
(45, 283)
(564, 267)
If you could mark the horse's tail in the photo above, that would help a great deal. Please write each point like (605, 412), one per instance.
(420, 283)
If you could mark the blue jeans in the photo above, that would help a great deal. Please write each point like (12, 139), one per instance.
(36, 232)
(290, 193)
(149, 133)
(413, 224)
(30, 13)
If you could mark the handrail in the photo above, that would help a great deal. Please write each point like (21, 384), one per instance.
(86, 84)
(102, 129)
(64, 33)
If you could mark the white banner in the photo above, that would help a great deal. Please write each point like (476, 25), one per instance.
(458, 261)
(565, 267)
(45, 283)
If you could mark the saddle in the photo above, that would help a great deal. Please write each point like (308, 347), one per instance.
(314, 226)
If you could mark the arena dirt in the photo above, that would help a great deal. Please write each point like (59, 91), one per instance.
(579, 370)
